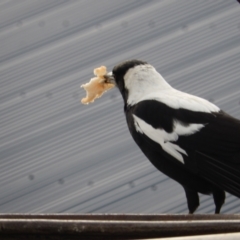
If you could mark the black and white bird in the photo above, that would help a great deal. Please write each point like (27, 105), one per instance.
(186, 137)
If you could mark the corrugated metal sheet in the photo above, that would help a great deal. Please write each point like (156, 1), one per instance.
(57, 155)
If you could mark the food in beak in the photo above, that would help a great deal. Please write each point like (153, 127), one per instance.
(97, 85)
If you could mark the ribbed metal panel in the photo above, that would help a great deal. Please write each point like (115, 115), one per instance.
(57, 155)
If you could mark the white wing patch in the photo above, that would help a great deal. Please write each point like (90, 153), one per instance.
(166, 139)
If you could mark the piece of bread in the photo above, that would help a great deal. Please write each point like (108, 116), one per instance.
(96, 86)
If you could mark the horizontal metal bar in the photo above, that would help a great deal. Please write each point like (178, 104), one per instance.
(124, 217)
(51, 228)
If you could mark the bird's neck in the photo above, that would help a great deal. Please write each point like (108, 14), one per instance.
(143, 80)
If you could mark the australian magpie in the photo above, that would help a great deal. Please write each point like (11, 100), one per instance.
(186, 137)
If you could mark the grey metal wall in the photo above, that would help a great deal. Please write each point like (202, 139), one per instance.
(57, 155)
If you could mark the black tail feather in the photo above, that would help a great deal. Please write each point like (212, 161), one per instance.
(225, 176)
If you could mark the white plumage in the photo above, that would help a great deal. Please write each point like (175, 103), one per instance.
(164, 138)
(140, 87)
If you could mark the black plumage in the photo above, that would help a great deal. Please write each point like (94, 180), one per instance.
(187, 138)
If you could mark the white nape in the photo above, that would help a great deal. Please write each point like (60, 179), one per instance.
(143, 82)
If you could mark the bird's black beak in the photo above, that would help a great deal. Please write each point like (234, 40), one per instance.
(109, 78)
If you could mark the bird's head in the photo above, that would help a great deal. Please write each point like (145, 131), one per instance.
(136, 79)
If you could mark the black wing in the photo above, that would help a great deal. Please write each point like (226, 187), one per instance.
(216, 150)
(213, 152)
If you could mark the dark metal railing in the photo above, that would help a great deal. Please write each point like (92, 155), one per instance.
(113, 226)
